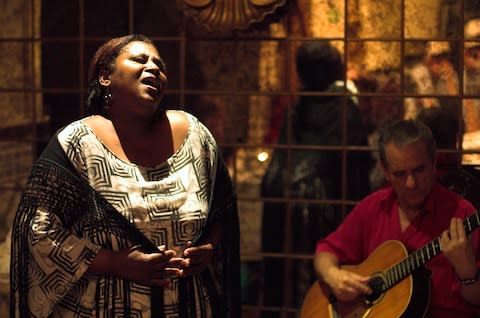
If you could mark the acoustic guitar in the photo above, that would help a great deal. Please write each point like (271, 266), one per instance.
(399, 283)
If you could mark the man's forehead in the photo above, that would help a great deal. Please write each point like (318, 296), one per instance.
(396, 153)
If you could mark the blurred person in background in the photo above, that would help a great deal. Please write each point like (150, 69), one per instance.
(471, 83)
(439, 62)
(314, 174)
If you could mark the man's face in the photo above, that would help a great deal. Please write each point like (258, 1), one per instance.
(437, 65)
(472, 59)
(411, 172)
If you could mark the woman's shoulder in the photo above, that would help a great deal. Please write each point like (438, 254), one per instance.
(99, 126)
(83, 129)
(187, 121)
(75, 130)
(198, 134)
(179, 121)
(87, 135)
(181, 117)
(73, 139)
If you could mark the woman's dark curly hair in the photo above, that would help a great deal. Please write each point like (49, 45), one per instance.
(104, 60)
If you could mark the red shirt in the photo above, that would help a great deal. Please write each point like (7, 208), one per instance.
(375, 220)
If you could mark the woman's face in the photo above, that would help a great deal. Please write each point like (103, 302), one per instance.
(138, 80)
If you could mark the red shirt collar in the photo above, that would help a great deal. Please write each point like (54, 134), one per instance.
(389, 197)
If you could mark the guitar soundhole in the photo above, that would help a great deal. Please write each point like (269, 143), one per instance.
(377, 285)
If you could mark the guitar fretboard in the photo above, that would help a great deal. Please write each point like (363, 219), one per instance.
(423, 255)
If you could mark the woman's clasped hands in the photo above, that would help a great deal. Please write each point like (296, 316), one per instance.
(158, 268)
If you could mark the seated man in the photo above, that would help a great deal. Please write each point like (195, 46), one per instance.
(415, 210)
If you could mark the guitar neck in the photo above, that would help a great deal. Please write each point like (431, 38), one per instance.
(423, 255)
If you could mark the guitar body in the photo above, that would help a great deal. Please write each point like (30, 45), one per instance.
(394, 303)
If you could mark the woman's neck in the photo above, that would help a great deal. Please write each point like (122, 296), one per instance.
(138, 127)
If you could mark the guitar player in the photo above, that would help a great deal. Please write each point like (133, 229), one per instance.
(414, 210)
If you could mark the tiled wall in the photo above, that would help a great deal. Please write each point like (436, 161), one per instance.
(19, 76)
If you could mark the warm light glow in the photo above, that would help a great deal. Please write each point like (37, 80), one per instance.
(262, 156)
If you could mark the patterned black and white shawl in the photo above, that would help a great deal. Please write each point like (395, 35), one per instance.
(54, 185)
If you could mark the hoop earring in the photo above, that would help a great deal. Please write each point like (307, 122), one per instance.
(107, 99)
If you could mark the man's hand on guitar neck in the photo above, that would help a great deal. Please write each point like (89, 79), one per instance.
(345, 285)
(457, 248)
